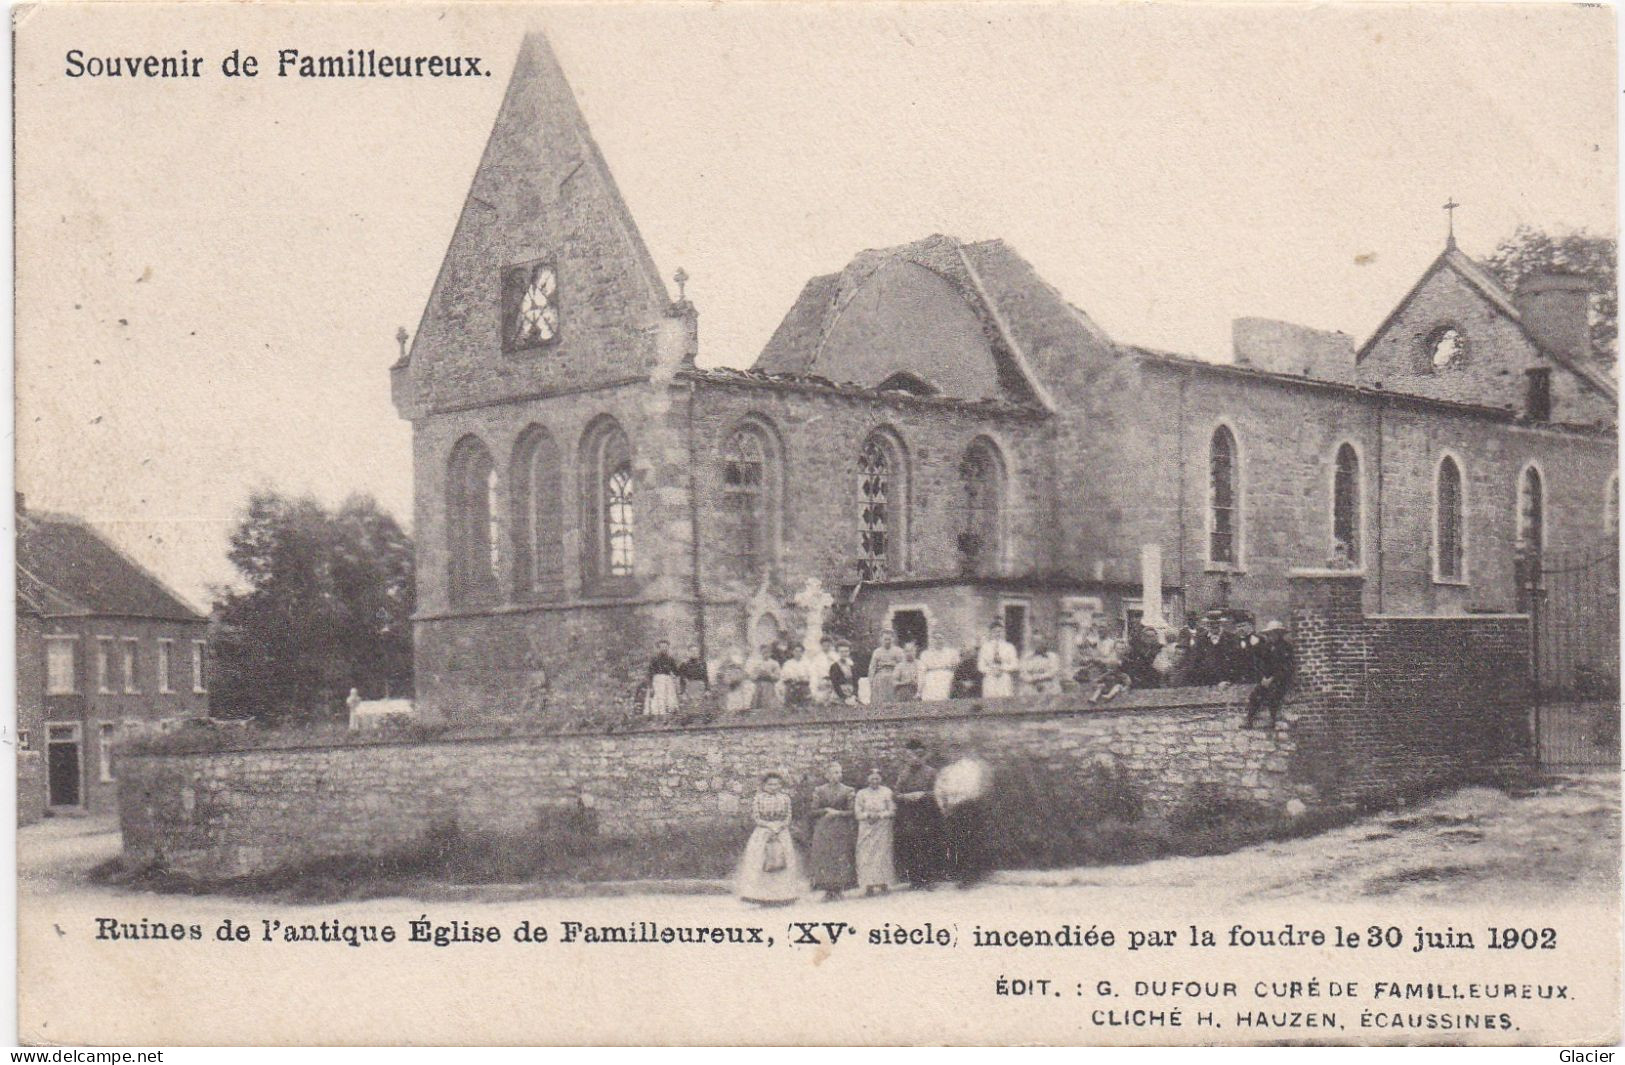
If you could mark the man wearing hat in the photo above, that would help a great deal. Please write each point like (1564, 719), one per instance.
(1276, 665)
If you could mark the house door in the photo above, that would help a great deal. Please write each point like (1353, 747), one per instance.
(909, 626)
(63, 765)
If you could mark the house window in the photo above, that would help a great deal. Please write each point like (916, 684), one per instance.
(104, 751)
(106, 664)
(1346, 507)
(166, 666)
(537, 525)
(749, 501)
(199, 679)
(132, 658)
(882, 499)
(471, 521)
(1224, 533)
(61, 665)
(982, 480)
(25, 740)
(1531, 511)
(1449, 552)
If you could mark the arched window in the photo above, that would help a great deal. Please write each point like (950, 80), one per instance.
(609, 495)
(1347, 511)
(618, 523)
(537, 528)
(1449, 532)
(750, 500)
(882, 508)
(1224, 498)
(982, 480)
(472, 529)
(1531, 510)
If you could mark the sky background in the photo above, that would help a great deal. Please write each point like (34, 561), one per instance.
(211, 271)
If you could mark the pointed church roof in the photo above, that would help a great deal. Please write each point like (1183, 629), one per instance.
(1483, 280)
(518, 175)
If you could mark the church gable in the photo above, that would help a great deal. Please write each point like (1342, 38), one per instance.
(914, 318)
(1460, 336)
(546, 283)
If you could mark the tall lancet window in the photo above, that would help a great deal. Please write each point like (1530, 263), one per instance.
(1449, 552)
(882, 508)
(1531, 511)
(537, 528)
(1346, 545)
(750, 500)
(472, 522)
(1224, 497)
(981, 537)
(618, 519)
(609, 498)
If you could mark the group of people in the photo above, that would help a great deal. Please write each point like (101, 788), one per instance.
(786, 674)
(926, 828)
(1218, 648)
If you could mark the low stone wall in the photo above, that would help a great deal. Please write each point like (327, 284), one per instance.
(1383, 708)
(241, 812)
(30, 787)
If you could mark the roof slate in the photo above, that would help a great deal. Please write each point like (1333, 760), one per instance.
(66, 568)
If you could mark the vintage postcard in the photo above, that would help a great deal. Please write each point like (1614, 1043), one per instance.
(941, 523)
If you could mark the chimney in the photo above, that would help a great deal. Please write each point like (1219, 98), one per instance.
(1556, 311)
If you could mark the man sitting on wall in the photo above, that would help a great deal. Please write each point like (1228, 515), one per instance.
(1277, 662)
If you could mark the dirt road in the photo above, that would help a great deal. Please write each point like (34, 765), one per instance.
(1471, 860)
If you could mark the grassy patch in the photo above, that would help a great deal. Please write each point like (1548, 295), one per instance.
(561, 856)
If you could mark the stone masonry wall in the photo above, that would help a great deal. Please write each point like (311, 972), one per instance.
(236, 813)
(1384, 708)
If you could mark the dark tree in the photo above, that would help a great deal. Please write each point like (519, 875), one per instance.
(1530, 250)
(324, 605)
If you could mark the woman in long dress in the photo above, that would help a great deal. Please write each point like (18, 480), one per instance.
(875, 809)
(793, 679)
(937, 672)
(770, 870)
(764, 675)
(906, 682)
(883, 669)
(834, 836)
(737, 689)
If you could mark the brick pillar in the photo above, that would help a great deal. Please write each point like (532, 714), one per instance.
(1327, 627)
(1328, 631)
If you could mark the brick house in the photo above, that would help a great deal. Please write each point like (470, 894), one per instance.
(104, 650)
(940, 438)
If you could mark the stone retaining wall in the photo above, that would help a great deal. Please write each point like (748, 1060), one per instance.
(1383, 707)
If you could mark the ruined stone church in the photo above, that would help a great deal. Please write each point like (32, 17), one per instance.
(938, 438)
